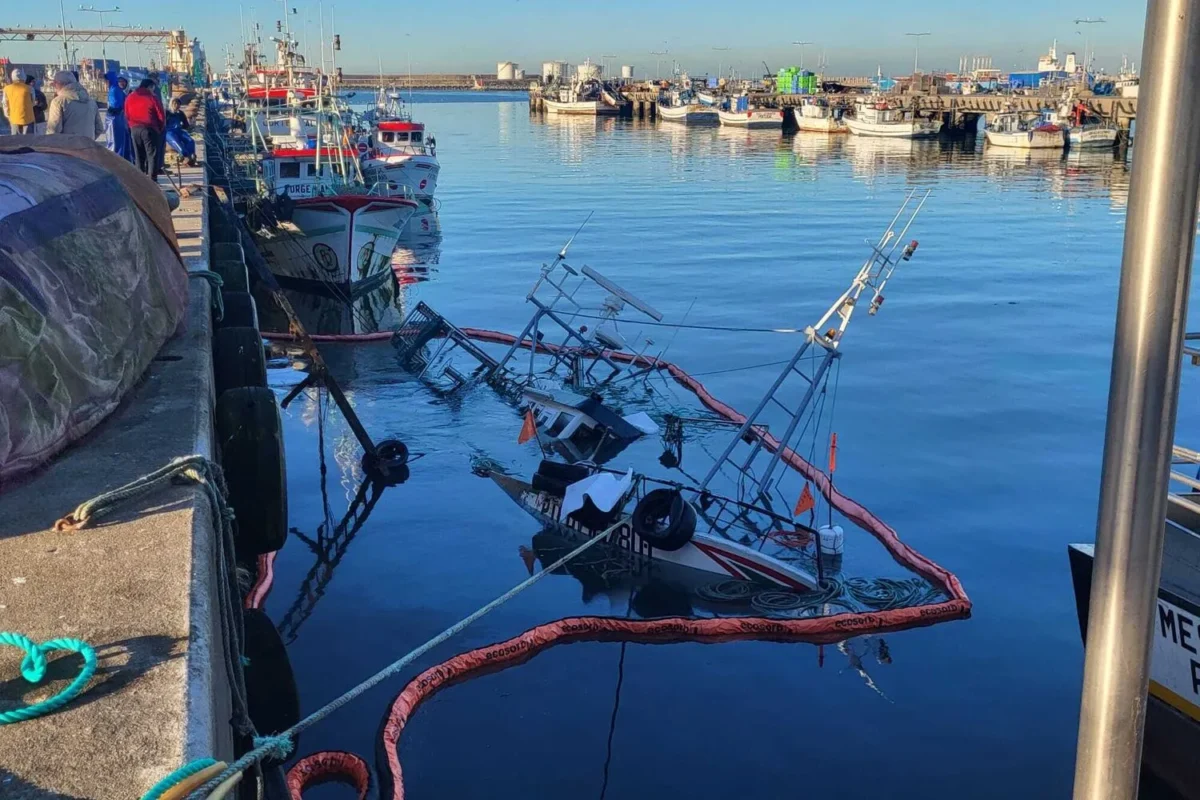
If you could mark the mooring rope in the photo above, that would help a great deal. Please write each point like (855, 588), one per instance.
(33, 669)
(280, 745)
(208, 476)
(216, 282)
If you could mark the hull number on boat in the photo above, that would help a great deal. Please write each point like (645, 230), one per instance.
(623, 537)
(1176, 658)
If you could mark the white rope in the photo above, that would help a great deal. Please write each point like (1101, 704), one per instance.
(280, 744)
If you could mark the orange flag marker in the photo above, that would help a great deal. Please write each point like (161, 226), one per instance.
(805, 503)
(833, 454)
(528, 428)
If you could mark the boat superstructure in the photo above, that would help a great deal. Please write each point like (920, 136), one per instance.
(887, 118)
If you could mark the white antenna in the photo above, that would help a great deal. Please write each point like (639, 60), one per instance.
(872, 276)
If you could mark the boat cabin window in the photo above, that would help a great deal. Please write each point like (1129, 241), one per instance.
(416, 137)
(312, 170)
(337, 168)
(289, 169)
(387, 136)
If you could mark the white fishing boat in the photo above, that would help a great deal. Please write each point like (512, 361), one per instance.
(583, 97)
(750, 117)
(877, 116)
(681, 105)
(1011, 129)
(328, 231)
(1086, 130)
(401, 148)
(708, 98)
(819, 117)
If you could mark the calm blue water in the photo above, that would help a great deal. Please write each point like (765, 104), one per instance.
(970, 417)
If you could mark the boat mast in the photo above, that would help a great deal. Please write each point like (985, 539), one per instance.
(873, 275)
(1160, 232)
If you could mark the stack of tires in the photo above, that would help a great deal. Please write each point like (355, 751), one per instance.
(249, 433)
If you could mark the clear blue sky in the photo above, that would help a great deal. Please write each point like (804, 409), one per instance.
(472, 35)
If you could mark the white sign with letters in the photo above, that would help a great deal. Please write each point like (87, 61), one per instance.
(1175, 662)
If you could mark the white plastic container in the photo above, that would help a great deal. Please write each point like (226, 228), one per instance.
(831, 540)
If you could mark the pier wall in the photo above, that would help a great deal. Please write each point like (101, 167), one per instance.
(139, 585)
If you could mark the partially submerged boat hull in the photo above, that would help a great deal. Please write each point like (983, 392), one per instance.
(720, 558)
(345, 240)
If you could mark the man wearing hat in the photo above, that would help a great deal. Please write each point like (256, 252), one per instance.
(18, 104)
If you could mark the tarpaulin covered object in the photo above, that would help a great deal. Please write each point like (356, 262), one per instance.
(91, 286)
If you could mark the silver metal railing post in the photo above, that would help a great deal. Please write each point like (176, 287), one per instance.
(1151, 310)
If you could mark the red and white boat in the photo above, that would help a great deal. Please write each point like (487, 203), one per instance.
(398, 148)
(332, 233)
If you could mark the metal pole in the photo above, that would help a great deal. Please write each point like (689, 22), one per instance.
(1151, 309)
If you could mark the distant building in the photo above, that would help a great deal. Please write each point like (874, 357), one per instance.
(506, 71)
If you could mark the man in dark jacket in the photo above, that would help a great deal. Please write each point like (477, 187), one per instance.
(144, 113)
(40, 106)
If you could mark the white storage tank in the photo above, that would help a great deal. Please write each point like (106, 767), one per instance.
(506, 71)
(520, 75)
(627, 71)
(549, 72)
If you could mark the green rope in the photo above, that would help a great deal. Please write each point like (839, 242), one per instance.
(216, 281)
(178, 776)
(33, 669)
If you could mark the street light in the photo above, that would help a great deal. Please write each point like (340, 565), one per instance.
(1087, 41)
(801, 46)
(658, 61)
(719, 64)
(917, 54)
(102, 12)
(604, 63)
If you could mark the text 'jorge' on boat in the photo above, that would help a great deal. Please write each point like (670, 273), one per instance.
(761, 525)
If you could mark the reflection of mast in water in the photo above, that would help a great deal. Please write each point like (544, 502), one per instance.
(331, 542)
(874, 646)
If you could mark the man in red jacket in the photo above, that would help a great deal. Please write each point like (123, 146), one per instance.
(144, 113)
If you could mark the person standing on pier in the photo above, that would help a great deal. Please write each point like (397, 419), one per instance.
(147, 125)
(40, 106)
(72, 111)
(18, 104)
(115, 127)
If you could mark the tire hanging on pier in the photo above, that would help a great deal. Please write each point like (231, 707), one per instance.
(251, 439)
(238, 359)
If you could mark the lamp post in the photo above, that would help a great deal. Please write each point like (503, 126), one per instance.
(719, 64)
(604, 63)
(658, 60)
(1087, 40)
(917, 53)
(801, 46)
(1156, 265)
(102, 12)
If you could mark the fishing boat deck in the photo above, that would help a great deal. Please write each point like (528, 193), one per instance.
(137, 585)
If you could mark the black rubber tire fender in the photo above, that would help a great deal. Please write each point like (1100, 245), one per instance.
(238, 359)
(240, 311)
(250, 436)
(231, 269)
(664, 519)
(271, 693)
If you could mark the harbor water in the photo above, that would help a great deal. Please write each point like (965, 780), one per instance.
(969, 415)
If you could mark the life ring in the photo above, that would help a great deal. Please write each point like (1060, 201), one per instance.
(664, 519)
(238, 359)
(251, 440)
(240, 311)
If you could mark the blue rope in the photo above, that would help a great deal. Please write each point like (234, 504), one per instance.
(33, 669)
(178, 776)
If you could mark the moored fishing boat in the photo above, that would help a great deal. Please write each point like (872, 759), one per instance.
(585, 96)
(819, 117)
(877, 116)
(741, 114)
(1010, 129)
(401, 148)
(330, 232)
(681, 105)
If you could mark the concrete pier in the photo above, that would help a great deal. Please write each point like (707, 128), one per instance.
(138, 585)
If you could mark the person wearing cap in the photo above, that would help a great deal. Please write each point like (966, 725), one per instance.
(18, 104)
(72, 111)
(40, 106)
(147, 125)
